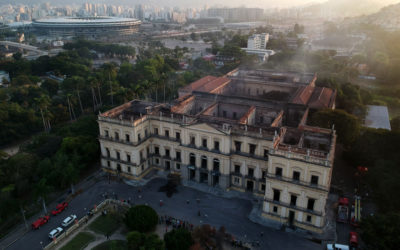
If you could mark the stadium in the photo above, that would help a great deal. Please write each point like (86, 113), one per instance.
(87, 26)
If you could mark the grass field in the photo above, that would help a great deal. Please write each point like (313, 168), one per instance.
(79, 242)
(112, 244)
(105, 224)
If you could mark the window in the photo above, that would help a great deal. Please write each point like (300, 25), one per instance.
(192, 140)
(277, 195)
(147, 151)
(192, 159)
(204, 142)
(309, 218)
(118, 167)
(157, 162)
(178, 166)
(236, 180)
(237, 169)
(167, 152)
(140, 156)
(238, 146)
(127, 138)
(261, 119)
(145, 133)
(275, 209)
(296, 175)
(266, 152)
(129, 169)
(224, 113)
(310, 204)
(106, 133)
(262, 187)
(234, 115)
(252, 149)
(204, 162)
(178, 136)
(128, 157)
(166, 133)
(250, 172)
(293, 200)
(118, 155)
(216, 165)
(178, 155)
(156, 150)
(139, 137)
(108, 152)
(216, 145)
(264, 174)
(116, 136)
(108, 164)
(143, 166)
(314, 180)
(156, 131)
(278, 172)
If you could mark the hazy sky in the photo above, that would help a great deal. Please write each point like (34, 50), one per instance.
(198, 3)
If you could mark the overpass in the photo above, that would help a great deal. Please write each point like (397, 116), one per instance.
(37, 52)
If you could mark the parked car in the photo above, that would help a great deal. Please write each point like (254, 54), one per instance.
(59, 208)
(69, 220)
(40, 222)
(55, 232)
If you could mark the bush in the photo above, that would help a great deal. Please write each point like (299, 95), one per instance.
(180, 239)
(141, 218)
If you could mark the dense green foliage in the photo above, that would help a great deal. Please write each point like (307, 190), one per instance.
(141, 218)
(382, 231)
(83, 47)
(106, 224)
(139, 241)
(178, 239)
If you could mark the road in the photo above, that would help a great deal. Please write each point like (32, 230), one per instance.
(216, 211)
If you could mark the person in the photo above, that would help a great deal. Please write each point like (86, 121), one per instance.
(262, 234)
(198, 213)
(187, 201)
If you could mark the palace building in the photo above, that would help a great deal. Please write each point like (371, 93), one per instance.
(246, 131)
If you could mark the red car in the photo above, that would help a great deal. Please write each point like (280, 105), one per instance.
(353, 240)
(59, 208)
(40, 222)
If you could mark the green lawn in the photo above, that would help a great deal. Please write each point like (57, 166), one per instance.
(111, 245)
(79, 242)
(105, 224)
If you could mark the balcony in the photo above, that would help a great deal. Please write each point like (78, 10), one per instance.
(298, 182)
(119, 161)
(288, 205)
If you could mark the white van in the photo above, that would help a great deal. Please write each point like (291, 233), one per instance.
(337, 247)
(67, 221)
(55, 232)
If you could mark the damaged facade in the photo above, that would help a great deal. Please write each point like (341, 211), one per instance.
(246, 131)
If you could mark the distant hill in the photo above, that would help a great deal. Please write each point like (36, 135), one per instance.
(347, 8)
(388, 18)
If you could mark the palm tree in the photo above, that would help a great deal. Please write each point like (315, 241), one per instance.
(41, 190)
(43, 102)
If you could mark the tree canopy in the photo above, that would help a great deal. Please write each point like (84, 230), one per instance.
(141, 218)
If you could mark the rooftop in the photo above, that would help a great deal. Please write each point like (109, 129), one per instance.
(377, 117)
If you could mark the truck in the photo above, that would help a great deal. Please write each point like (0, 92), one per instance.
(356, 211)
(343, 210)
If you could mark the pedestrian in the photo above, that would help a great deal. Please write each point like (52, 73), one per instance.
(166, 229)
(262, 234)
(198, 200)
(198, 213)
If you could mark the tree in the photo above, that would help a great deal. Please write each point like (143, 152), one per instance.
(179, 239)
(141, 218)
(43, 102)
(395, 123)
(41, 191)
(381, 231)
(140, 241)
(347, 126)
